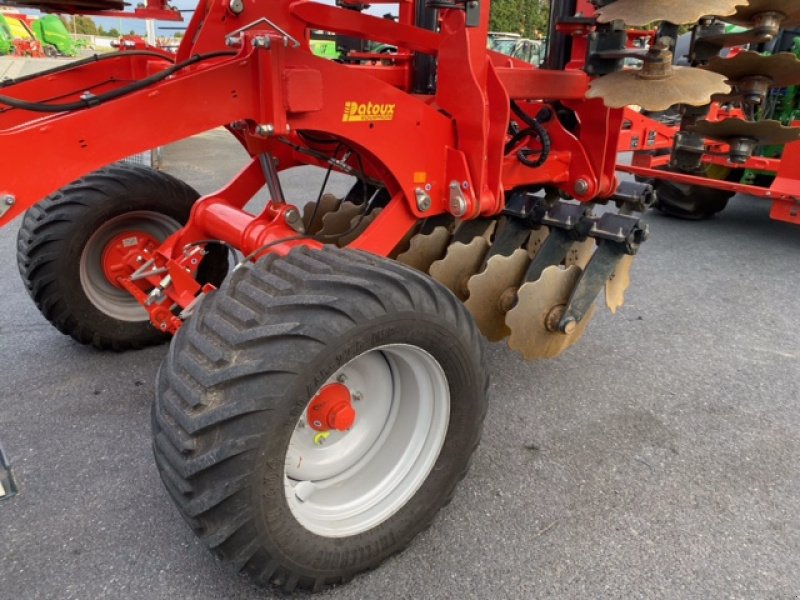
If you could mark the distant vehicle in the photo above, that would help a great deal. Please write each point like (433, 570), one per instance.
(514, 45)
(53, 35)
(25, 42)
(6, 40)
(325, 49)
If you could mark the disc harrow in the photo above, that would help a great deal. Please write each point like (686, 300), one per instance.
(489, 263)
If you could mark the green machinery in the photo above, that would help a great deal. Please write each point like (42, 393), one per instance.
(6, 39)
(53, 35)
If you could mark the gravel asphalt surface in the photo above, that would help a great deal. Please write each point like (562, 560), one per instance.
(657, 458)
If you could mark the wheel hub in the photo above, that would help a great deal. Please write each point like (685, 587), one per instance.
(331, 408)
(122, 250)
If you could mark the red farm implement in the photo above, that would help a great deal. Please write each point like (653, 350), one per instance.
(745, 142)
(320, 402)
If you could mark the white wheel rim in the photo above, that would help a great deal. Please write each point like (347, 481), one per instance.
(354, 480)
(105, 296)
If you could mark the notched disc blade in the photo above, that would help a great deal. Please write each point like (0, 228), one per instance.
(782, 68)
(538, 237)
(461, 262)
(537, 302)
(685, 85)
(766, 133)
(747, 11)
(327, 203)
(618, 284)
(493, 292)
(638, 13)
(337, 222)
(580, 253)
(424, 249)
(358, 225)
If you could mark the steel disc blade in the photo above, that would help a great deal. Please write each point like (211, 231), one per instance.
(783, 68)
(461, 262)
(423, 249)
(538, 237)
(337, 222)
(327, 203)
(358, 225)
(747, 11)
(493, 292)
(618, 284)
(685, 85)
(580, 253)
(638, 13)
(540, 302)
(766, 133)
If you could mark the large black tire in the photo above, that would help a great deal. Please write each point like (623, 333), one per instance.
(693, 203)
(239, 376)
(55, 233)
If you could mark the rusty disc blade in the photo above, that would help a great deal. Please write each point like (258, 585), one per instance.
(424, 249)
(766, 133)
(746, 12)
(327, 203)
(493, 292)
(783, 68)
(541, 302)
(618, 284)
(358, 225)
(638, 13)
(337, 222)
(685, 85)
(537, 238)
(461, 262)
(579, 253)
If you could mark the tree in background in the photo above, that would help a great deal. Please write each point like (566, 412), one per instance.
(81, 25)
(526, 17)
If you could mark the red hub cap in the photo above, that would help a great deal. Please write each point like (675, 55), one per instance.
(121, 254)
(331, 409)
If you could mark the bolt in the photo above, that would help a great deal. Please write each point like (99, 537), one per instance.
(423, 199)
(260, 42)
(569, 325)
(233, 41)
(428, 187)
(292, 216)
(163, 326)
(458, 204)
(236, 6)
(265, 130)
(357, 396)
(341, 378)
(581, 187)
(317, 423)
(465, 185)
(194, 261)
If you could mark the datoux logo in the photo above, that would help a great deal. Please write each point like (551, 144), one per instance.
(357, 112)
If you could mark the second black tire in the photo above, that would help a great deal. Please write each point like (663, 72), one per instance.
(61, 268)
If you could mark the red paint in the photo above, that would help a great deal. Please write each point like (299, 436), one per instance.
(331, 409)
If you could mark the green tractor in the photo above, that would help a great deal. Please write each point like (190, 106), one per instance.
(54, 37)
(6, 39)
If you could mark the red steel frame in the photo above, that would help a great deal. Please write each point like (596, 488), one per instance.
(644, 136)
(266, 87)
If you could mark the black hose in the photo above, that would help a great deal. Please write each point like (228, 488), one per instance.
(534, 128)
(93, 101)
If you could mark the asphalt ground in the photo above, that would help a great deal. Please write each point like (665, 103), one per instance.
(655, 459)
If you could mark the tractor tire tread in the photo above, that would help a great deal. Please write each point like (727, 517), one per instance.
(226, 341)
